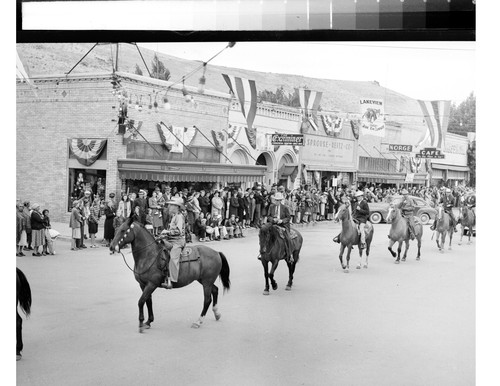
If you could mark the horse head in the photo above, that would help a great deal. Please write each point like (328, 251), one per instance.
(124, 235)
(265, 238)
(391, 214)
(439, 214)
(342, 213)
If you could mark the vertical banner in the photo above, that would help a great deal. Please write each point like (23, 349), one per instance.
(372, 117)
(436, 116)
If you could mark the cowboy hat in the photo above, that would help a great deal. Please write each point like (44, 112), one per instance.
(176, 201)
(278, 196)
(142, 191)
(359, 193)
(404, 191)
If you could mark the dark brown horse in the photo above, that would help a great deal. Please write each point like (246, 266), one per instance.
(203, 264)
(272, 250)
(23, 299)
(467, 220)
(399, 233)
(350, 236)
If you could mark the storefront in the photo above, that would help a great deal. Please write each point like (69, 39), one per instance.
(451, 170)
(328, 161)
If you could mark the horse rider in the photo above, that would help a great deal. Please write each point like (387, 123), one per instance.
(347, 200)
(470, 201)
(407, 207)
(279, 214)
(447, 200)
(176, 240)
(360, 215)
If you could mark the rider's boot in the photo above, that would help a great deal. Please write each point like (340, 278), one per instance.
(167, 284)
(433, 226)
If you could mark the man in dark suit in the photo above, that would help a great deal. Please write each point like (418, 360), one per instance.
(279, 214)
(447, 200)
(360, 215)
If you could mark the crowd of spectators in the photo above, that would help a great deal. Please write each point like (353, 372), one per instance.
(214, 215)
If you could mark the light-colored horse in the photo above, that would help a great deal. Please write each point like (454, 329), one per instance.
(399, 232)
(467, 220)
(442, 228)
(350, 236)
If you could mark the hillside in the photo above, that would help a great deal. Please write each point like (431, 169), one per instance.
(343, 95)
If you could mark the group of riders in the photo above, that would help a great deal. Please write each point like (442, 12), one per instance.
(279, 214)
(361, 211)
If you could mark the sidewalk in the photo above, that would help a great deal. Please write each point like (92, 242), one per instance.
(65, 230)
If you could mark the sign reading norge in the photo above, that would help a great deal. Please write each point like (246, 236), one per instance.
(402, 148)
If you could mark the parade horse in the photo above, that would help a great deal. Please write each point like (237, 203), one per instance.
(198, 262)
(399, 232)
(467, 220)
(443, 226)
(23, 299)
(272, 249)
(350, 236)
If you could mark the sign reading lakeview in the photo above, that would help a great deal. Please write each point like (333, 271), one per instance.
(372, 117)
(401, 148)
(287, 139)
(429, 152)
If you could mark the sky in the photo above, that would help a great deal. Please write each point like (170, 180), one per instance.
(420, 70)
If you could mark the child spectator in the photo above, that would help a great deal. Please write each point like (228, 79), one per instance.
(149, 221)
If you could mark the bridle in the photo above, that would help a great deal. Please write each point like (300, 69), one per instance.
(139, 249)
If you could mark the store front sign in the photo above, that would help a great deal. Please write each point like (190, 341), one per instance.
(401, 148)
(287, 139)
(429, 152)
(328, 151)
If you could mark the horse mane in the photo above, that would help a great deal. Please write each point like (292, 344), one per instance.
(268, 229)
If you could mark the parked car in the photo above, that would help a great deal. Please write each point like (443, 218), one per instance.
(379, 210)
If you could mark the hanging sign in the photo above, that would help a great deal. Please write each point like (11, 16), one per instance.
(287, 139)
(409, 177)
(400, 148)
(429, 152)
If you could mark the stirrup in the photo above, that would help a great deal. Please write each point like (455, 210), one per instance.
(167, 284)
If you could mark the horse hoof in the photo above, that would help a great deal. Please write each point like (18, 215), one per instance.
(141, 330)
(146, 326)
(358, 266)
(365, 266)
(460, 243)
(288, 288)
(346, 270)
(396, 262)
(418, 258)
(266, 292)
(403, 259)
(441, 250)
(275, 287)
(449, 248)
(217, 316)
(18, 357)
(196, 325)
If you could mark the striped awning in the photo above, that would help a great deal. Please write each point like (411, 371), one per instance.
(182, 177)
(176, 171)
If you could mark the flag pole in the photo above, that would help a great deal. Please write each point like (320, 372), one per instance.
(169, 129)
(199, 131)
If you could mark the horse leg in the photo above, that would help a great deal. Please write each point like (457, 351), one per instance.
(367, 252)
(149, 305)
(400, 243)
(291, 270)
(360, 258)
(266, 277)
(271, 274)
(407, 242)
(419, 244)
(391, 243)
(462, 230)
(19, 335)
(147, 290)
(341, 256)
(215, 295)
(348, 257)
(207, 298)
(451, 237)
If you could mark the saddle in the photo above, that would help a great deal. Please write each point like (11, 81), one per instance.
(188, 254)
(281, 232)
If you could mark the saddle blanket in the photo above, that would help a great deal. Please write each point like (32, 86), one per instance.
(189, 254)
(293, 233)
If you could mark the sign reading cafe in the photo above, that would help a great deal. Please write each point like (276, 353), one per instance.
(429, 152)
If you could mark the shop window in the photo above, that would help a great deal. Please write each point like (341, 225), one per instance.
(80, 180)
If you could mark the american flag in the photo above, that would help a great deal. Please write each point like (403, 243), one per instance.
(436, 116)
(246, 92)
(309, 102)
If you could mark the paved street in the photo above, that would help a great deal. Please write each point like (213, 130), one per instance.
(406, 324)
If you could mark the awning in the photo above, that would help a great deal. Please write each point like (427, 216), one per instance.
(329, 168)
(287, 170)
(170, 171)
(450, 167)
(389, 178)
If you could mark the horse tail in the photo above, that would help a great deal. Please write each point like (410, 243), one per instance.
(224, 273)
(24, 292)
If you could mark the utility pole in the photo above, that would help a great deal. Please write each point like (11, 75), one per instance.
(117, 49)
